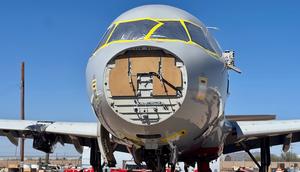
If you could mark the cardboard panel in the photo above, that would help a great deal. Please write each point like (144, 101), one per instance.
(162, 89)
(170, 73)
(144, 64)
(119, 81)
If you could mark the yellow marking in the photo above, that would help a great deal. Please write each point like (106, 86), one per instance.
(152, 31)
(115, 26)
(148, 36)
(168, 40)
(133, 139)
(215, 55)
(174, 136)
(186, 30)
(151, 39)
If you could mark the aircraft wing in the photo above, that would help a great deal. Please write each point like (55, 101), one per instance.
(250, 133)
(46, 134)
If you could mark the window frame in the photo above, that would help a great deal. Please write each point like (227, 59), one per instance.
(121, 22)
(178, 22)
(160, 23)
(212, 50)
(107, 33)
(151, 31)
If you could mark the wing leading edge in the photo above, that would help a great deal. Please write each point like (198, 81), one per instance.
(250, 133)
(46, 134)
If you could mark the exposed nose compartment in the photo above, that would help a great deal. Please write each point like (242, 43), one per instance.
(145, 85)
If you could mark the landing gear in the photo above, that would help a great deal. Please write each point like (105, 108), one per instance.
(186, 167)
(95, 156)
(155, 160)
(105, 147)
(102, 145)
(264, 154)
(173, 167)
(188, 164)
(203, 166)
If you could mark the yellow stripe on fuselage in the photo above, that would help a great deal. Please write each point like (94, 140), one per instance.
(174, 136)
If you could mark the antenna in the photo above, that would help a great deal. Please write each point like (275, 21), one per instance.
(212, 28)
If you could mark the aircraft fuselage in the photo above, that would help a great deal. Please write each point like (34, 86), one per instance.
(155, 92)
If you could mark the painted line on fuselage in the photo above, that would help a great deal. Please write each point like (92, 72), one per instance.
(214, 55)
(186, 30)
(174, 136)
(149, 34)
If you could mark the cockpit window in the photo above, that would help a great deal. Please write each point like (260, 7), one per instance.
(170, 30)
(106, 35)
(132, 30)
(198, 36)
(214, 43)
(160, 29)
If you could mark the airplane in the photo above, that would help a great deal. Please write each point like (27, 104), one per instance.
(158, 83)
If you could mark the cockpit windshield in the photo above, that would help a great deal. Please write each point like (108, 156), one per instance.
(156, 29)
(132, 30)
(170, 30)
(106, 35)
(198, 36)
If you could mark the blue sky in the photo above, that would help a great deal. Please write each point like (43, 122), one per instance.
(56, 38)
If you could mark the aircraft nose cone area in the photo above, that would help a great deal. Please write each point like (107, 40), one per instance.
(145, 87)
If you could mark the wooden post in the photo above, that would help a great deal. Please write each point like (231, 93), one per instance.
(22, 113)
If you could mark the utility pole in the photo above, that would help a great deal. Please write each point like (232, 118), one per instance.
(22, 113)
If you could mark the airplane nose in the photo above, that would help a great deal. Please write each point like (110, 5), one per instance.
(145, 86)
